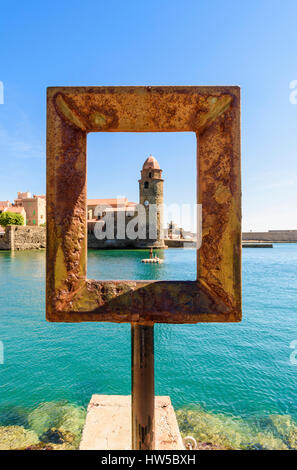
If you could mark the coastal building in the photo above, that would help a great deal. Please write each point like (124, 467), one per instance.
(25, 195)
(119, 222)
(152, 199)
(114, 205)
(4, 205)
(35, 207)
(174, 232)
(125, 216)
(109, 217)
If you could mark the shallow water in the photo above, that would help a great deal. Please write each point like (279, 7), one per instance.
(242, 371)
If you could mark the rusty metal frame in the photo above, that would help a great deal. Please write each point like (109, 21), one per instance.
(213, 113)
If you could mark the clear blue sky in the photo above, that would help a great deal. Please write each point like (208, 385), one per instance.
(166, 42)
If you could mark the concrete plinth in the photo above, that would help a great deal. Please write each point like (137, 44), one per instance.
(108, 424)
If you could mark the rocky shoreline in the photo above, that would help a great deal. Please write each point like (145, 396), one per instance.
(222, 432)
(19, 438)
(50, 426)
(58, 426)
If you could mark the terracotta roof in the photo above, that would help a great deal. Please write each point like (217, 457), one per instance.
(4, 203)
(151, 162)
(120, 209)
(109, 202)
(18, 209)
(29, 199)
(116, 203)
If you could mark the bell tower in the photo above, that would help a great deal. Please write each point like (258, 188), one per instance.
(151, 198)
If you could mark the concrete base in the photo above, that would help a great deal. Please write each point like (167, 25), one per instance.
(108, 424)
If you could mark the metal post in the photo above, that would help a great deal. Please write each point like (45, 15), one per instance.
(143, 387)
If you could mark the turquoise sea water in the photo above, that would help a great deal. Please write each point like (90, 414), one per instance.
(234, 370)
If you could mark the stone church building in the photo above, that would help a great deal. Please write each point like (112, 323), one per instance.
(118, 223)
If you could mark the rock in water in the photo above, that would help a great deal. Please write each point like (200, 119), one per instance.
(65, 417)
(16, 437)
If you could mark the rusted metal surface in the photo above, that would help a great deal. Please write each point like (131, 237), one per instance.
(143, 301)
(143, 387)
(213, 113)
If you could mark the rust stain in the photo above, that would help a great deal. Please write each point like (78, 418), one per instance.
(213, 113)
(69, 112)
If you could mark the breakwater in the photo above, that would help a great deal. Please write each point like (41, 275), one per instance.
(273, 236)
(26, 237)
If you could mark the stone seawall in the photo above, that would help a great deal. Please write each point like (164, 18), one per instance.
(5, 239)
(19, 237)
(30, 238)
(282, 236)
(93, 242)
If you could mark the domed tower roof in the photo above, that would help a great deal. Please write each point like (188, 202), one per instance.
(151, 162)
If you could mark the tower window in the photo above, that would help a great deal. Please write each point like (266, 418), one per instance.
(150, 174)
(146, 185)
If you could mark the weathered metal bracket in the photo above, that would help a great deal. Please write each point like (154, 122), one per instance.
(213, 113)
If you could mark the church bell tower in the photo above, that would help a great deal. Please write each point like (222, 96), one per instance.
(151, 198)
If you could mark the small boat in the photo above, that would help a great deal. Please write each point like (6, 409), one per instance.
(152, 260)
